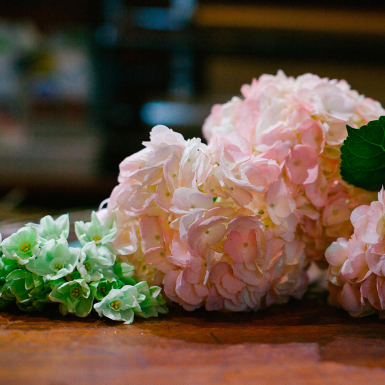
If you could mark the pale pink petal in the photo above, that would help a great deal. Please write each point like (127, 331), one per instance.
(255, 278)
(157, 257)
(337, 253)
(214, 188)
(298, 116)
(163, 196)
(171, 172)
(186, 199)
(151, 232)
(239, 194)
(217, 272)
(376, 262)
(279, 151)
(293, 251)
(336, 211)
(369, 290)
(359, 212)
(180, 256)
(201, 290)
(192, 276)
(169, 282)
(337, 133)
(276, 133)
(312, 133)
(214, 300)
(232, 284)
(231, 246)
(186, 291)
(260, 172)
(317, 192)
(355, 268)
(164, 134)
(279, 204)
(302, 165)
(351, 298)
(236, 148)
(156, 159)
(369, 233)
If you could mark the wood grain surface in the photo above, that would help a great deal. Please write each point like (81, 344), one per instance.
(305, 342)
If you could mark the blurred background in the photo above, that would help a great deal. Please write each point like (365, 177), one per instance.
(83, 81)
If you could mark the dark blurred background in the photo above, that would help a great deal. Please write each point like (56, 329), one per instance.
(83, 81)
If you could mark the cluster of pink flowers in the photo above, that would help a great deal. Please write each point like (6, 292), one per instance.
(232, 225)
(214, 223)
(301, 124)
(357, 266)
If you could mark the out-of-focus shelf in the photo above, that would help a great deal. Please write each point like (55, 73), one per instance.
(309, 19)
(296, 43)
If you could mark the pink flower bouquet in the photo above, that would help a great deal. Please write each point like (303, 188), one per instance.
(233, 225)
(357, 266)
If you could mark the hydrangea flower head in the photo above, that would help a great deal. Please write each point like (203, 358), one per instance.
(202, 207)
(357, 265)
(301, 123)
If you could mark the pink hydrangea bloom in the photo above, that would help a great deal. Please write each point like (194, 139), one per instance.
(301, 124)
(213, 223)
(357, 265)
(232, 225)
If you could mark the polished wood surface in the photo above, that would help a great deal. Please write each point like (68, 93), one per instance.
(305, 342)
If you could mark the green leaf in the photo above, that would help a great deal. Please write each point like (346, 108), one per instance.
(363, 156)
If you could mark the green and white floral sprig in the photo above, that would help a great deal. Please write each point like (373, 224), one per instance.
(37, 266)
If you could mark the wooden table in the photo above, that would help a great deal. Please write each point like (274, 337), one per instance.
(305, 342)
